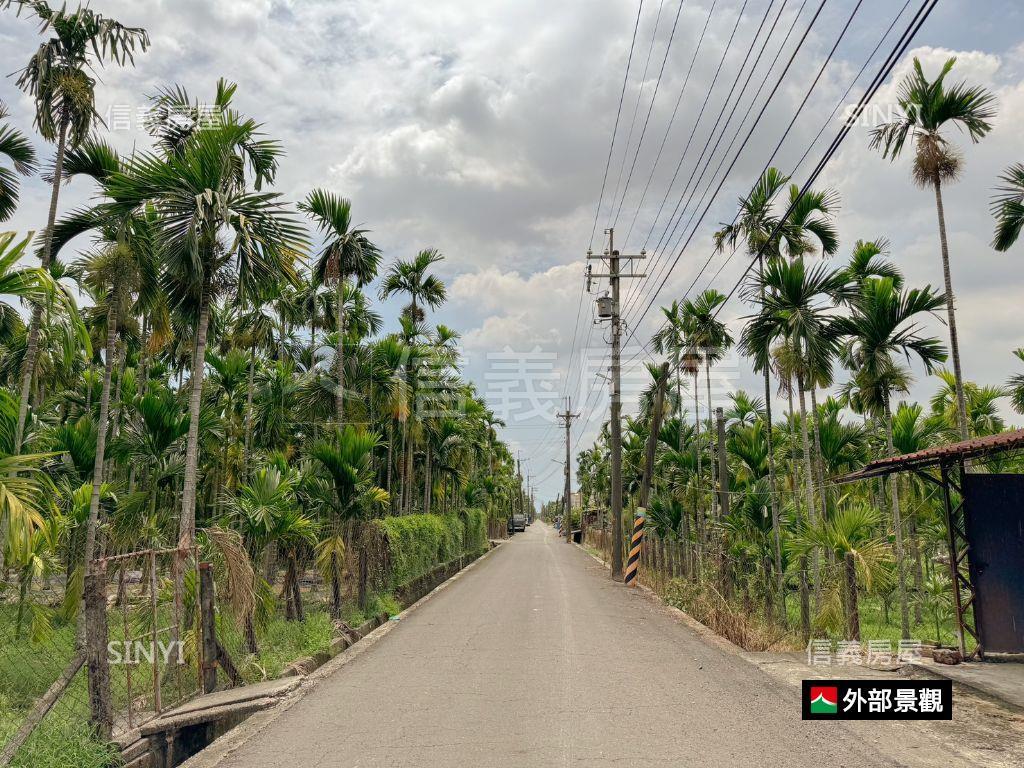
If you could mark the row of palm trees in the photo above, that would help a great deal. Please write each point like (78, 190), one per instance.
(789, 528)
(228, 379)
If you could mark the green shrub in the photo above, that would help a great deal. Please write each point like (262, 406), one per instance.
(476, 529)
(419, 543)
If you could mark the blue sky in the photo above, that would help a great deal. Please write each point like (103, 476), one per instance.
(482, 129)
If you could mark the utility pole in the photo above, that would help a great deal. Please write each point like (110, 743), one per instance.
(567, 417)
(526, 492)
(519, 490)
(613, 313)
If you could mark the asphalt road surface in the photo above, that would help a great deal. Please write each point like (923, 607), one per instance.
(535, 658)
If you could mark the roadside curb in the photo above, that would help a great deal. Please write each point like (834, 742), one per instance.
(237, 737)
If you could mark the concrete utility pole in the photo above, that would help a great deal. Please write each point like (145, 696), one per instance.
(529, 498)
(519, 490)
(567, 417)
(613, 258)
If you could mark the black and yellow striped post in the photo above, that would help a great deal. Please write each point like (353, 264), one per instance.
(633, 564)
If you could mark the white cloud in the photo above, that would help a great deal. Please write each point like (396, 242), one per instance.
(481, 128)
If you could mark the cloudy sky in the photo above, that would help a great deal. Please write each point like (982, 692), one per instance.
(483, 129)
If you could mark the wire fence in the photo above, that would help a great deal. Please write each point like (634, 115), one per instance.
(48, 685)
(168, 624)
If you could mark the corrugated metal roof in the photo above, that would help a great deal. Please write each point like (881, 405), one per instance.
(967, 449)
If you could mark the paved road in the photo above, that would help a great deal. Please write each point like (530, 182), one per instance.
(535, 658)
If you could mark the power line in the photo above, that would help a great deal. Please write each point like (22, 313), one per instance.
(739, 153)
(615, 128)
(721, 64)
(672, 119)
(825, 124)
(693, 132)
(636, 107)
(650, 109)
(696, 124)
(711, 135)
(900, 46)
(604, 180)
(879, 79)
(718, 121)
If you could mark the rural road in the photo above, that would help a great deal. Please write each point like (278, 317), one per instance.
(535, 658)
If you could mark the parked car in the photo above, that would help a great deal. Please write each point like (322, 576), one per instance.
(518, 523)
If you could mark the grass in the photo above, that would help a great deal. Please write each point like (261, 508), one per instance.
(27, 670)
(57, 743)
(281, 643)
(63, 739)
(875, 626)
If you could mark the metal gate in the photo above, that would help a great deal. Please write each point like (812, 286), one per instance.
(994, 506)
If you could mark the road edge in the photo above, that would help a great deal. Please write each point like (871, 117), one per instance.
(229, 743)
(705, 632)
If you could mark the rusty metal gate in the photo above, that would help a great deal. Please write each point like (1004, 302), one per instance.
(994, 506)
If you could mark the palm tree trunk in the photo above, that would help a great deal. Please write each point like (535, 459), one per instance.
(776, 524)
(805, 601)
(806, 441)
(915, 557)
(115, 416)
(339, 402)
(92, 524)
(897, 522)
(335, 588)
(819, 467)
(954, 341)
(679, 401)
(251, 646)
(714, 467)
(809, 486)
(312, 327)
(296, 587)
(32, 345)
(700, 469)
(251, 381)
(391, 444)
(289, 595)
(427, 481)
(410, 471)
(403, 480)
(187, 527)
(852, 614)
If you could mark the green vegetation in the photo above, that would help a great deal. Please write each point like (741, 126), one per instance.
(229, 387)
(418, 543)
(835, 332)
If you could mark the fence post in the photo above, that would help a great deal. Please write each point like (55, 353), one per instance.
(364, 575)
(155, 608)
(209, 629)
(101, 706)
